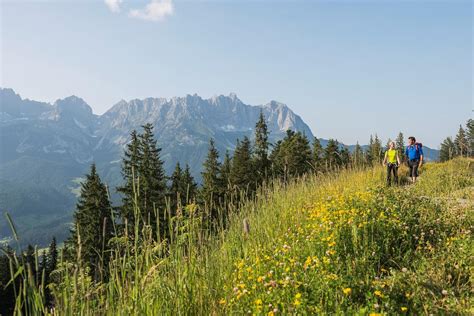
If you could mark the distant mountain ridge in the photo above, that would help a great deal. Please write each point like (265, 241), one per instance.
(46, 148)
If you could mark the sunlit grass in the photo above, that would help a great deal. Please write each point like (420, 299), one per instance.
(322, 244)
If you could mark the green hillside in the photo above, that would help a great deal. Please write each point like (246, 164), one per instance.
(343, 244)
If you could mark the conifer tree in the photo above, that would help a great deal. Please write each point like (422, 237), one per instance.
(43, 266)
(152, 183)
(370, 158)
(7, 292)
(377, 151)
(176, 189)
(461, 142)
(345, 156)
(302, 155)
(225, 171)
(50, 266)
(52, 256)
(130, 174)
(189, 186)
(317, 154)
(358, 156)
(242, 175)
(262, 162)
(212, 185)
(447, 150)
(400, 144)
(276, 162)
(332, 156)
(470, 136)
(93, 225)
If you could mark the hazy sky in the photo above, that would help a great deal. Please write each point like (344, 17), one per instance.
(349, 68)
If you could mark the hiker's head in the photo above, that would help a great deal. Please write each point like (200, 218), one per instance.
(411, 140)
(391, 145)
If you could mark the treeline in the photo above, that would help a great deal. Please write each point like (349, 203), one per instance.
(38, 267)
(462, 145)
(158, 207)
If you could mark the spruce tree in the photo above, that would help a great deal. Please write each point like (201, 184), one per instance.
(461, 142)
(345, 156)
(302, 155)
(152, 184)
(7, 292)
(176, 189)
(448, 150)
(262, 162)
(332, 156)
(276, 160)
(242, 175)
(51, 264)
(189, 187)
(377, 150)
(370, 150)
(212, 186)
(93, 225)
(470, 136)
(225, 171)
(52, 261)
(400, 143)
(130, 174)
(317, 155)
(358, 156)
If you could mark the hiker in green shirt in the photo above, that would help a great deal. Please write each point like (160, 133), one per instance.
(392, 161)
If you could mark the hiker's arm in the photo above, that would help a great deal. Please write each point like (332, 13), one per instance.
(398, 159)
(421, 156)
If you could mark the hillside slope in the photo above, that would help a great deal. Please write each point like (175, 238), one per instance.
(342, 244)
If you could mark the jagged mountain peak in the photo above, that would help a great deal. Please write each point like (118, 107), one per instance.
(73, 103)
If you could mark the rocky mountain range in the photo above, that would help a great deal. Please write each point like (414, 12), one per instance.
(47, 148)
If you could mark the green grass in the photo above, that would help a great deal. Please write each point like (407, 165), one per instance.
(343, 244)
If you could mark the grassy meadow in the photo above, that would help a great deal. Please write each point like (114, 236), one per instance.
(323, 244)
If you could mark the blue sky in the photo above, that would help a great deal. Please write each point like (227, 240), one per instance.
(349, 68)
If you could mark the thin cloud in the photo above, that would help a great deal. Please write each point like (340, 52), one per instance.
(113, 5)
(154, 11)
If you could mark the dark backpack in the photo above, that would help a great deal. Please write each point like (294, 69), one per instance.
(418, 146)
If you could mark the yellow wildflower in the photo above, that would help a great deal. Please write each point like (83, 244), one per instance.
(404, 309)
(378, 293)
(222, 301)
(347, 291)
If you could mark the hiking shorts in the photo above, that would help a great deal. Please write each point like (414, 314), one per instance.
(413, 165)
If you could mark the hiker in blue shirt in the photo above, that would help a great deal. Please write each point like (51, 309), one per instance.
(414, 154)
